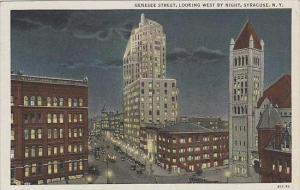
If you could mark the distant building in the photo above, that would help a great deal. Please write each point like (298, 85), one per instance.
(209, 122)
(190, 147)
(112, 123)
(274, 147)
(95, 127)
(49, 129)
(148, 96)
(246, 84)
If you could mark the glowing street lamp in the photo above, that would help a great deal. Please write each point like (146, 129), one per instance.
(109, 175)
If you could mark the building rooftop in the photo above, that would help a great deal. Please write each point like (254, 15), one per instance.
(188, 128)
(244, 37)
(279, 93)
(49, 80)
(269, 118)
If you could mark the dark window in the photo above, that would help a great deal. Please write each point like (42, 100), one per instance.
(166, 85)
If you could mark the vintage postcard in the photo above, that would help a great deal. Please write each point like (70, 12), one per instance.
(150, 94)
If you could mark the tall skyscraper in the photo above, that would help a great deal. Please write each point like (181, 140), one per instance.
(246, 82)
(148, 96)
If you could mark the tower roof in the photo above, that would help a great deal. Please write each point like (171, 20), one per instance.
(269, 118)
(279, 93)
(244, 37)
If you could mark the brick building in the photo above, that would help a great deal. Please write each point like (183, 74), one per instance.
(190, 147)
(274, 147)
(49, 129)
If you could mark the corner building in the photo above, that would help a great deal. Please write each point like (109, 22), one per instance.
(148, 96)
(246, 83)
(49, 129)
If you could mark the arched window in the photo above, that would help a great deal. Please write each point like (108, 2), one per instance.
(235, 61)
(61, 118)
(49, 102)
(26, 103)
(242, 110)
(239, 61)
(75, 103)
(39, 101)
(61, 102)
(69, 102)
(32, 101)
(246, 58)
(80, 102)
(243, 60)
(238, 110)
(54, 101)
(234, 110)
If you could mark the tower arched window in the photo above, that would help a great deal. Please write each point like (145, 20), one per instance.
(25, 102)
(242, 110)
(32, 101)
(39, 100)
(239, 61)
(234, 110)
(238, 110)
(246, 59)
(235, 61)
(243, 61)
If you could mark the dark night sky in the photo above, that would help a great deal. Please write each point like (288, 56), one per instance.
(74, 44)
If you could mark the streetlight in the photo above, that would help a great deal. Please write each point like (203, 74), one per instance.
(227, 174)
(109, 175)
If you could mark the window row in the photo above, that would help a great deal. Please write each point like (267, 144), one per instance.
(192, 149)
(32, 134)
(192, 139)
(240, 109)
(241, 60)
(279, 166)
(51, 101)
(75, 132)
(75, 148)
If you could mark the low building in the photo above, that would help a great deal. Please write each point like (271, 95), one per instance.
(274, 147)
(49, 129)
(190, 147)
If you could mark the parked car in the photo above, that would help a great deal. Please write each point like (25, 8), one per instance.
(123, 158)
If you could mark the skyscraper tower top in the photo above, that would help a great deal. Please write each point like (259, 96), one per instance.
(248, 36)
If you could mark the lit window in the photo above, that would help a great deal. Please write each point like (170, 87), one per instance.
(80, 132)
(70, 166)
(80, 118)
(39, 133)
(12, 118)
(80, 102)
(61, 133)
(26, 134)
(61, 102)
(49, 101)
(49, 150)
(32, 101)
(61, 149)
(11, 100)
(55, 167)
(54, 101)
(80, 148)
(26, 171)
(55, 150)
(61, 118)
(75, 132)
(70, 118)
(55, 133)
(75, 103)
(12, 135)
(12, 153)
(49, 118)
(69, 148)
(70, 133)
(26, 152)
(49, 133)
(69, 102)
(75, 118)
(25, 102)
(80, 165)
(39, 101)
(32, 134)
(49, 168)
(40, 153)
(75, 148)
(33, 168)
(54, 118)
